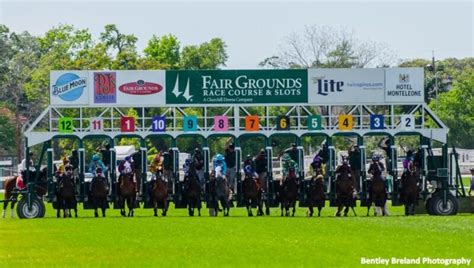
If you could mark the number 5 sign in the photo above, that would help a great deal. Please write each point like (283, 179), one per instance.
(127, 124)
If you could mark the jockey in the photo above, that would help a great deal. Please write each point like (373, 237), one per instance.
(261, 166)
(376, 164)
(288, 163)
(154, 166)
(249, 170)
(96, 163)
(344, 167)
(198, 160)
(98, 174)
(125, 167)
(64, 163)
(219, 161)
(67, 172)
(249, 162)
(186, 166)
(316, 167)
(409, 157)
(74, 161)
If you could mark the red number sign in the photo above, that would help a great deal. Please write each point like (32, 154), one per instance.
(127, 124)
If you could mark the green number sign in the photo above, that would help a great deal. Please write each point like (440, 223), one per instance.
(314, 122)
(65, 125)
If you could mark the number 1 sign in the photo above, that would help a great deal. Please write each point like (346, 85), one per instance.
(127, 124)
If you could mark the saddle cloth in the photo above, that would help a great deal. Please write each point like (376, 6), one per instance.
(19, 183)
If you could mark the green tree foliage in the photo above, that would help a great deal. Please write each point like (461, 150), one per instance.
(456, 109)
(164, 50)
(208, 55)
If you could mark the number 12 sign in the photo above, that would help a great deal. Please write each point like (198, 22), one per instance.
(127, 124)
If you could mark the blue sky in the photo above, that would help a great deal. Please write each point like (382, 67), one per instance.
(254, 30)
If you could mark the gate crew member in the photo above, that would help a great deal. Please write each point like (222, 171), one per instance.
(261, 169)
(198, 160)
(19, 181)
(74, 161)
(292, 152)
(231, 164)
(354, 162)
(384, 144)
(104, 151)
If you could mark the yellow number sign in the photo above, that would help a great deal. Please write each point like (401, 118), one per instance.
(345, 122)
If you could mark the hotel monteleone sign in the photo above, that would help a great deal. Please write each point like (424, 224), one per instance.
(236, 86)
(159, 88)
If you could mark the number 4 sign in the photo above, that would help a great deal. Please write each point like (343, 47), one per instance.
(127, 124)
(97, 124)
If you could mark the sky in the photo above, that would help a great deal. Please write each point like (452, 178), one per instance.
(255, 30)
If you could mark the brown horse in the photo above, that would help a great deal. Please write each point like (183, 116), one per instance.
(159, 194)
(289, 193)
(11, 192)
(316, 195)
(409, 188)
(99, 193)
(219, 192)
(127, 194)
(252, 192)
(377, 191)
(192, 191)
(66, 195)
(344, 191)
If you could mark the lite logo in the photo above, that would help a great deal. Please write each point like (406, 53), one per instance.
(177, 93)
(325, 86)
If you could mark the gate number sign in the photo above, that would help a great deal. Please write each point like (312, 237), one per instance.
(158, 124)
(283, 123)
(65, 125)
(221, 123)
(407, 122)
(190, 123)
(127, 124)
(345, 122)
(97, 124)
(252, 123)
(376, 121)
(314, 122)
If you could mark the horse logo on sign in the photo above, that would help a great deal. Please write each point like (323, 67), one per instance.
(404, 78)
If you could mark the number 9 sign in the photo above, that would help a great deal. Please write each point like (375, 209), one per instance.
(190, 123)
(221, 123)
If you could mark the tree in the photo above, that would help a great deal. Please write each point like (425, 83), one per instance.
(125, 46)
(328, 47)
(164, 50)
(456, 109)
(208, 55)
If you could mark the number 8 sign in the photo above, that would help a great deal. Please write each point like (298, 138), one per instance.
(221, 123)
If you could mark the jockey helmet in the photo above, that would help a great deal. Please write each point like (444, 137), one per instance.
(375, 158)
(95, 157)
(127, 158)
(98, 170)
(316, 158)
(293, 145)
(410, 153)
(196, 150)
(219, 157)
(249, 156)
(68, 167)
(262, 152)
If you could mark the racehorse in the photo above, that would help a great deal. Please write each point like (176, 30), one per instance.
(377, 192)
(316, 195)
(66, 195)
(127, 193)
(99, 194)
(159, 193)
(192, 191)
(344, 191)
(252, 192)
(11, 192)
(289, 193)
(409, 188)
(219, 192)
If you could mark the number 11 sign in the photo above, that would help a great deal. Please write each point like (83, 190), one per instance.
(97, 124)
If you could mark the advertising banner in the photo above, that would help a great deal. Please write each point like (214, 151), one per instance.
(342, 86)
(236, 86)
(404, 85)
(69, 88)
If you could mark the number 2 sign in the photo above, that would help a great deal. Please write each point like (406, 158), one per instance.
(407, 122)
(127, 124)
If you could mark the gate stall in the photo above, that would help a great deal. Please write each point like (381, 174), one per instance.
(241, 103)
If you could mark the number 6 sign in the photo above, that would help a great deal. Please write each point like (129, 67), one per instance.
(127, 124)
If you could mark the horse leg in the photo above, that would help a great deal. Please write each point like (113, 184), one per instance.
(165, 207)
(75, 208)
(346, 210)
(267, 208)
(310, 210)
(319, 211)
(12, 206)
(353, 210)
(96, 214)
(282, 208)
(338, 212)
(294, 209)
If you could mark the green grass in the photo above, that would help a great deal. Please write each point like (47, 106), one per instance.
(179, 240)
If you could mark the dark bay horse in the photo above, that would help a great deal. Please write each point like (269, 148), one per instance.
(11, 192)
(127, 194)
(289, 193)
(159, 194)
(252, 194)
(344, 191)
(99, 194)
(409, 188)
(66, 195)
(377, 191)
(316, 195)
(219, 193)
(192, 192)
